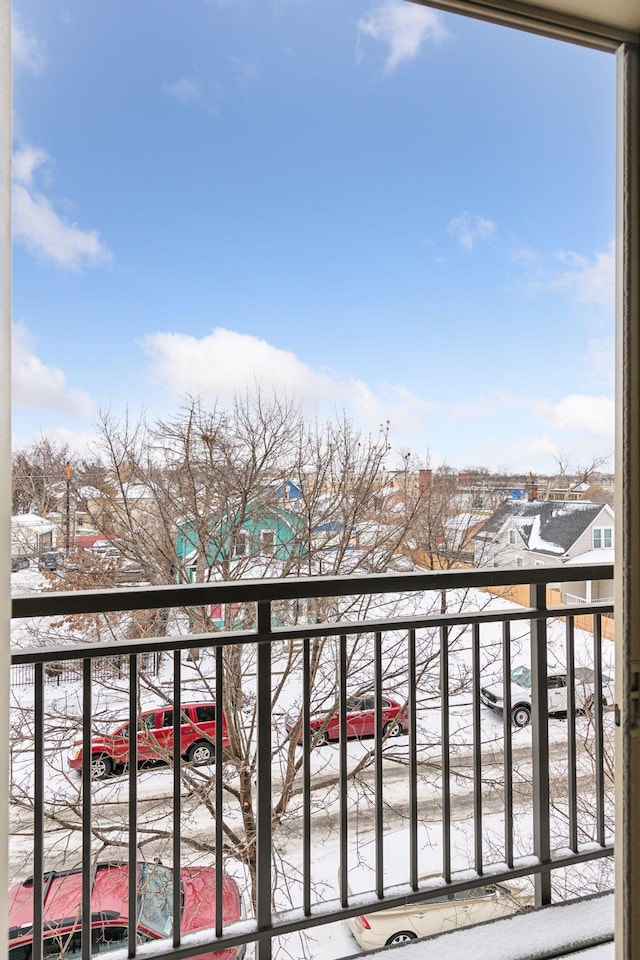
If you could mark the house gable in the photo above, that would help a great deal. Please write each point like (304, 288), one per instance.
(547, 528)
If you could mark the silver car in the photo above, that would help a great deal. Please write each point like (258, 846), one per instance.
(585, 693)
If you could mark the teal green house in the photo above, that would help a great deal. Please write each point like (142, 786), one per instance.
(266, 531)
(271, 532)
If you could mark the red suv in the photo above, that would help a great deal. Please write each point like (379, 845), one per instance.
(62, 896)
(110, 752)
(360, 719)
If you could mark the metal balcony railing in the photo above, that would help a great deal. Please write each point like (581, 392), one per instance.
(416, 654)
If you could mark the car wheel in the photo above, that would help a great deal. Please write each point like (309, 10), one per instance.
(320, 739)
(101, 767)
(404, 936)
(521, 715)
(201, 752)
(392, 728)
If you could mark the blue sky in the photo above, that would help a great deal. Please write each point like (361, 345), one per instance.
(369, 204)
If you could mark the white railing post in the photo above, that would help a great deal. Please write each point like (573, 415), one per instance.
(5, 432)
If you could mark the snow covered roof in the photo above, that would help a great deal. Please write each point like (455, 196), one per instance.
(89, 493)
(605, 555)
(546, 526)
(33, 521)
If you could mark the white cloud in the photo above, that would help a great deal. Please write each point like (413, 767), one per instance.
(403, 27)
(80, 443)
(35, 385)
(41, 229)
(225, 362)
(600, 359)
(589, 281)
(184, 90)
(469, 228)
(485, 405)
(25, 163)
(194, 92)
(594, 416)
(28, 52)
(244, 72)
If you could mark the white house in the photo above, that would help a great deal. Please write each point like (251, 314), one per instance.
(31, 535)
(544, 532)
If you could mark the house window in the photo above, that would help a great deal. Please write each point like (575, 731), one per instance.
(519, 561)
(267, 542)
(240, 546)
(512, 536)
(602, 538)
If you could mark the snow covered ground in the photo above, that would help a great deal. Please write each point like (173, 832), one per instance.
(62, 788)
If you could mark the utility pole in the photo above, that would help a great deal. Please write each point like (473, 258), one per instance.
(67, 471)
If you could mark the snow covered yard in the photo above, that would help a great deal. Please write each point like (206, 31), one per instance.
(63, 712)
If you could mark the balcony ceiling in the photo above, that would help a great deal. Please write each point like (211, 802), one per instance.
(612, 20)
(621, 15)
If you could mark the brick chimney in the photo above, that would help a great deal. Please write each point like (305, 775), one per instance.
(531, 489)
(425, 480)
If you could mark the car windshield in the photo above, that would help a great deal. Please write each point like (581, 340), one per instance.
(522, 676)
(155, 898)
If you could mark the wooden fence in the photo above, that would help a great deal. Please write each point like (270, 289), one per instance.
(520, 594)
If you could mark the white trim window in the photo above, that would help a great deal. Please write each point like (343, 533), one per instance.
(267, 543)
(240, 545)
(512, 537)
(602, 538)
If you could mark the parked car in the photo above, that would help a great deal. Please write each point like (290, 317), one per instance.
(429, 916)
(19, 563)
(51, 560)
(585, 693)
(110, 752)
(129, 572)
(413, 920)
(361, 720)
(110, 909)
(105, 548)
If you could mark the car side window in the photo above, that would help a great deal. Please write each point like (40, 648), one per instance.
(110, 938)
(433, 900)
(206, 714)
(20, 953)
(475, 894)
(63, 945)
(556, 683)
(167, 718)
(368, 703)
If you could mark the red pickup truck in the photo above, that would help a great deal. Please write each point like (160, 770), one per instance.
(110, 752)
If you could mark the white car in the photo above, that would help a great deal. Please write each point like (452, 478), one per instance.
(445, 912)
(401, 924)
(493, 696)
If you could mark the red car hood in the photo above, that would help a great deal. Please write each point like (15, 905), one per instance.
(199, 909)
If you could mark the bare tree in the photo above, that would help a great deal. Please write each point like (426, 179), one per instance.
(256, 490)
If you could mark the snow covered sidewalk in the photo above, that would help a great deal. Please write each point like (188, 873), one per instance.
(558, 931)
